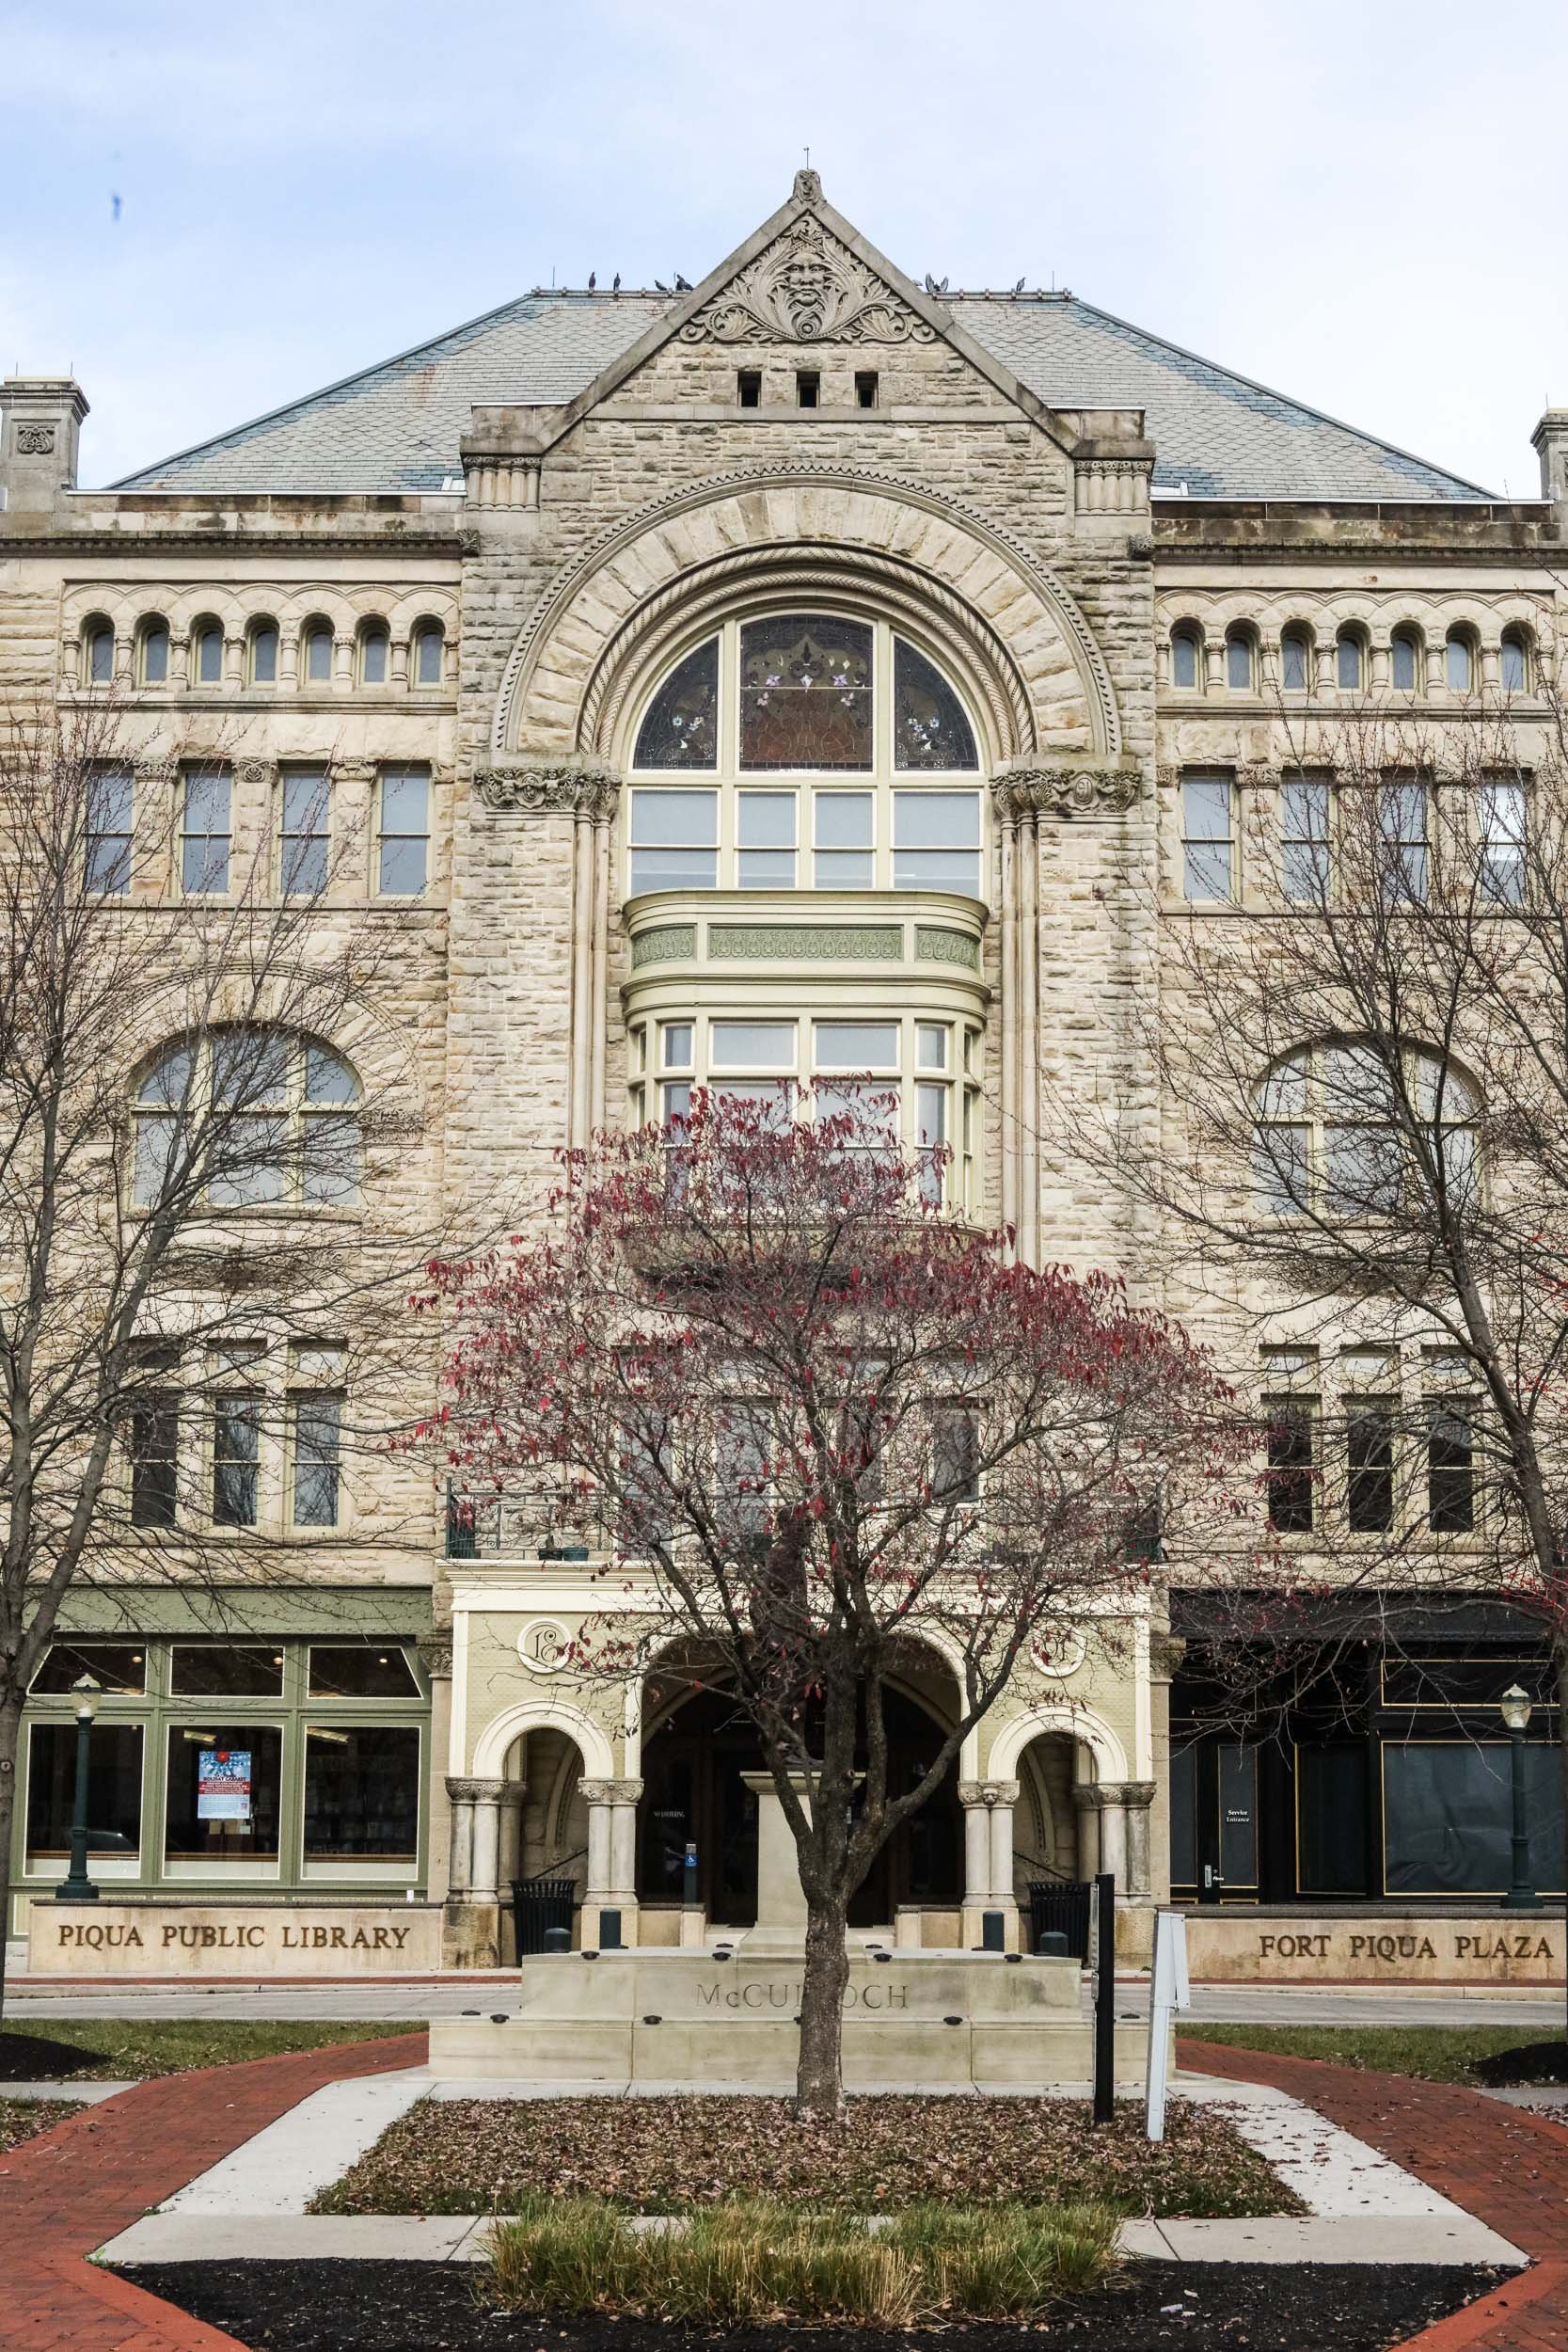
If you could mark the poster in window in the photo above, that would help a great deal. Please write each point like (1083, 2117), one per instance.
(223, 1785)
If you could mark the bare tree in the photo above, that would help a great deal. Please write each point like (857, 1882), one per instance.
(181, 1154)
(820, 1422)
(1366, 1074)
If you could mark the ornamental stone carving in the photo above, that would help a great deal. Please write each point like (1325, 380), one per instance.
(550, 787)
(1025, 789)
(807, 289)
(675, 943)
(35, 440)
(254, 772)
(813, 943)
(935, 944)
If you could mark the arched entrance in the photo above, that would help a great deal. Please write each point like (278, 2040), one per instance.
(694, 1794)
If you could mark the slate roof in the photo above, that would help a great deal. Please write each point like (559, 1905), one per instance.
(396, 427)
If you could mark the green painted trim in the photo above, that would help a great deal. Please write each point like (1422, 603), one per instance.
(401, 1611)
(935, 944)
(806, 943)
(676, 942)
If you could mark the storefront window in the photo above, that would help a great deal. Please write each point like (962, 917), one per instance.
(222, 1801)
(361, 1670)
(361, 1796)
(113, 1797)
(1331, 1819)
(1447, 1816)
(119, 1668)
(217, 1670)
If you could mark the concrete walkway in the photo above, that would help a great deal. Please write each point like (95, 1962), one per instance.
(1508, 2168)
(63, 2193)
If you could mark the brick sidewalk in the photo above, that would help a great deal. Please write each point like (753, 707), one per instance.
(64, 2193)
(1508, 2168)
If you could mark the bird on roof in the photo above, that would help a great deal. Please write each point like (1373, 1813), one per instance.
(615, 283)
(1018, 288)
(931, 283)
(683, 285)
(661, 285)
(593, 280)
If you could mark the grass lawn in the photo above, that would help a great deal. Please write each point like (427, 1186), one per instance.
(1434, 2054)
(23, 2119)
(130, 2049)
(658, 2155)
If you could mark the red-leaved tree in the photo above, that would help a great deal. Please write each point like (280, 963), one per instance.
(810, 1421)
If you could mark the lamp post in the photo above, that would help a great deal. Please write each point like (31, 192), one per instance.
(76, 1887)
(1514, 1707)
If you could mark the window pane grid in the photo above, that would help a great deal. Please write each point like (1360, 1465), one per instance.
(205, 831)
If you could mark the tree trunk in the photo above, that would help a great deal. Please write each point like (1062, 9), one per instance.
(820, 2080)
(10, 1744)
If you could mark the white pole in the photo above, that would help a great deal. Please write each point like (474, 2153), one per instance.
(1168, 1991)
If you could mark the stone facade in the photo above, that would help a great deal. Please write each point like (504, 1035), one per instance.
(576, 550)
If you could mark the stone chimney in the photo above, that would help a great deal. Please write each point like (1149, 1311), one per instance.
(40, 421)
(1550, 442)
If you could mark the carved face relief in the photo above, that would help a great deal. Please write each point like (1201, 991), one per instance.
(807, 289)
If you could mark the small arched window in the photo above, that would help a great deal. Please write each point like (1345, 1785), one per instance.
(1350, 661)
(1404, 660)
(1459, 662)
(1238, 661)
(263, 653)
(152, 657)
(1337, 1133)
(207, 654)
(97, 652)
(316, 666)
(1513, 662)
(428, 647)
(1186, 657)
(374, 645)
(1295, 659)
(248, 1118)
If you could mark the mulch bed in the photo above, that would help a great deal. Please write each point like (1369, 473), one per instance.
(1207, 2307)
(654, 2155)
(29, 2058)
(1532, 2063)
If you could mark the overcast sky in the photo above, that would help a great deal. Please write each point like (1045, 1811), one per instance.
(206, 211)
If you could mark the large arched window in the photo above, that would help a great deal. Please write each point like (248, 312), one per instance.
(805, 751)
(267, 1118)
(1332, 1139)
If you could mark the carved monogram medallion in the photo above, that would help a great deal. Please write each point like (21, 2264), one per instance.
(807, 289)
(35, 440)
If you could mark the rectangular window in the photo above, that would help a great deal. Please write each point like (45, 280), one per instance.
(865, 388)
(114, 1798)
(1502, 842)
(307, 812)
(808, 387)
(748, 388)
(955, 1453)
(765, 839)
(110, 799)
(1331, 1818)
(226, 1670)
(1451, 1468)
(673, 840)
(1402, 841)
(751, 1045)
(362, 1795)
(155, 1438)
(205, 831)
(1208, 841)
(936, 841)
(361, 1670)
(931, 1106)
(1290, 1449)
(1303, 838)
(1448, 1814)
(674, 1045)
(317, 1459)
(222, 1799)
(236, 1457)
(856, 1045)
(1369, 1466)
(844, 840)
(250, 1074)
(117, 1667)
(403, 867)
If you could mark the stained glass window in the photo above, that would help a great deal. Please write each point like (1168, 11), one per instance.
(806, 693)
(680, 728)
(930, 729)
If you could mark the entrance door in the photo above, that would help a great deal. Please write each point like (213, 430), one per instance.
(1220, 1834)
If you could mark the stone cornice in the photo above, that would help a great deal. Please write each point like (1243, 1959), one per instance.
(1070, 789)
(550, 788)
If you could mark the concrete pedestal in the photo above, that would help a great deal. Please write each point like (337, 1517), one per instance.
(954, 2021)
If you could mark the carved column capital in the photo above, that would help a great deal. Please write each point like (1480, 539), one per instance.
(463, 1790)
(988, 1792)
(436, 1653)
(609, 1791)
(1063, 788)
(566, 787)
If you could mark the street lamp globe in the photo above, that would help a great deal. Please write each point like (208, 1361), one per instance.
(86, 1691)
(1516, 1708)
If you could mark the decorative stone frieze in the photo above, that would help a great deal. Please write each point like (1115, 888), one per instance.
(807, 289)
(935, 944)
(806, 943)
(1024, 789)
(550, 787)
(676, 942)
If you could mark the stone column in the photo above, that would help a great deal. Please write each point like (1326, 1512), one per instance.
(623, 1853)
(1105, 1799)
(435, 1657)
(1085, 1803)
(486, 1846)
(1137, 1803)
(460, 1794)
(611, 1854)
(989, 1856)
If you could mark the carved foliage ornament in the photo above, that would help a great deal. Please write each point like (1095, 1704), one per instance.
(1030, 791)
(35, 440)
(806, 289)
(548, 788)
